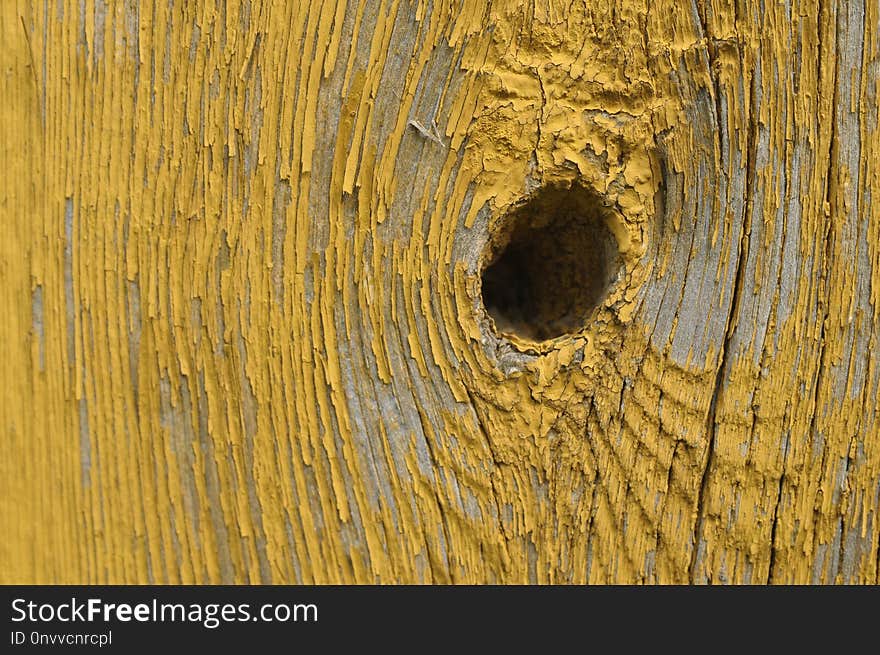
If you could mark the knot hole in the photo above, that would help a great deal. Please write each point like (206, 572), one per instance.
(549, 263)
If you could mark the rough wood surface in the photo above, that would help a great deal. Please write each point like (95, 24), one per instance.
(242, 335)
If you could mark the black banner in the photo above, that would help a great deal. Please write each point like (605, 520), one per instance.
(136, 618)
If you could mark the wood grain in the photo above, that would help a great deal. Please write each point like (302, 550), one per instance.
(243, 338)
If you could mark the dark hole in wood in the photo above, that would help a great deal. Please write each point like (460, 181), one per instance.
(550, 264)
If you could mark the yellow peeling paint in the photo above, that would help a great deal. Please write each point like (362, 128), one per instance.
(243, 339)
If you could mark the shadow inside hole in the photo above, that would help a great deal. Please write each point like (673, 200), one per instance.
(550, 265)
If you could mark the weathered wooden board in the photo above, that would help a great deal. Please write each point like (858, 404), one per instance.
(243, 337)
